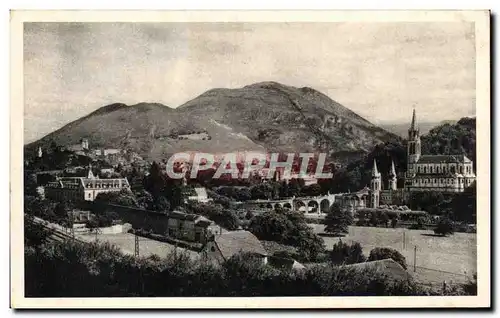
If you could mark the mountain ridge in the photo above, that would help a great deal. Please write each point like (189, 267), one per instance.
(264, 116)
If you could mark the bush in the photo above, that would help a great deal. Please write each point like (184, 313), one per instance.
(380, 253)
(419, 225)
(343, 253)
(444, 227)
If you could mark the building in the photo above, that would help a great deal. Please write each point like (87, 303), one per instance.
(83, 188)
(226, 245)
(443, 173)
(199, 195)
(189, 227)
(80, 148)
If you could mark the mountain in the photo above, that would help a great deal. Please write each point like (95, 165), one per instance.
(265, 116)
(401, 129)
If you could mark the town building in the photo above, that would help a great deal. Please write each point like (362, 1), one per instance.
(442, 173)
(83, 188)
(199, 194)
(189, 227)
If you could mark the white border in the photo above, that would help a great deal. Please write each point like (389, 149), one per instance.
(481, 19)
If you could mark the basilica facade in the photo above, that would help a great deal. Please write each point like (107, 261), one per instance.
(443, 173)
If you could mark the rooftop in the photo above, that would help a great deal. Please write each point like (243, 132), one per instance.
(444, 159)
(232, 243)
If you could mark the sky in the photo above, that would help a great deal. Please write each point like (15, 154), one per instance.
(378, 70)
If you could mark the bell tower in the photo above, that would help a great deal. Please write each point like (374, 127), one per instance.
(375, 186)
(393, 181)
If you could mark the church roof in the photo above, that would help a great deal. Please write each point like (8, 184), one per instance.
(443, 159)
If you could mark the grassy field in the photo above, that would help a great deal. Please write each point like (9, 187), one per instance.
(455, 254)
(147, 247)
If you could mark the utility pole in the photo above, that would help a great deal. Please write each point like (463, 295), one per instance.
(404, 239)
(136, 246)
(415, 258)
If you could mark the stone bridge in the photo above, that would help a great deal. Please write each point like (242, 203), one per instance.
(317, 204)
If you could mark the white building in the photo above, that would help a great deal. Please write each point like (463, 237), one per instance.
(443, 173)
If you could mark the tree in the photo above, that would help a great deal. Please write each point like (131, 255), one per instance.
(93, 226)
(161, 204)
(444, 227)
(384, 218)
(343, 253)
(337, 220)
(374, 219)
(61, 210)
(289, 228)
(394, 222)
(381, 253)
(35, 234)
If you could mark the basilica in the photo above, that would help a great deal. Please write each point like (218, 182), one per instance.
(443, 173)
(438, 173)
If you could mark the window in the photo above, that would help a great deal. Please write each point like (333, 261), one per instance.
(425, 169)
(212, 248)
(437, 169)
(430, 169)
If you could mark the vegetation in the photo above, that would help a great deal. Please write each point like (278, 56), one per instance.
(380, 253)
(164, 189)
(72, 269)
(337, 220)
(343, 253)
(289, 228)
(224, 217)
(444, 227)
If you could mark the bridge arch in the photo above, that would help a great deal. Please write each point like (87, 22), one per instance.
(300, 206)
(324, 205)
(287, 206)
(312, 206)
(277, 205)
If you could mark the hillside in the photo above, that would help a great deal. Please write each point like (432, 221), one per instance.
(263, 116)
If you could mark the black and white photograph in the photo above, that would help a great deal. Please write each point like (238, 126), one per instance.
(196, 160)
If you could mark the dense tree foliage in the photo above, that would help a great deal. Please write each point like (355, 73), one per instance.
(444, 227)
(221, 215)
(343, 253)
(337, 220)
(380, 253)
(159, 185)
(289, 228)
(454, 139)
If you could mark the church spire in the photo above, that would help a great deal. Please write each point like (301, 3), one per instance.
(375, 170)
(393, 169)
(414, 120)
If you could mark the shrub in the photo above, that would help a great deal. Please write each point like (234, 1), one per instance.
(419, 225)
(444, 227)
(343, 253)
(380, 253)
